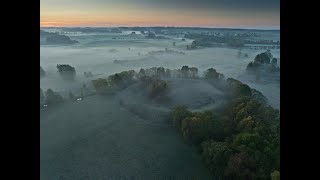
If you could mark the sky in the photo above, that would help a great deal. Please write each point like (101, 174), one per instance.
(259, 14)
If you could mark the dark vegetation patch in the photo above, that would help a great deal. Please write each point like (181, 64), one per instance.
(55, 38)
(232, 40)
(66, 71)
(264, 65)
(243, 142)
(49, 97)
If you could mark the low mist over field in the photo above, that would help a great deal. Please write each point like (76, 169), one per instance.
(110, 108)
(107, 53)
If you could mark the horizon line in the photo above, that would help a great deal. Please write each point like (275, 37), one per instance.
(206, 27)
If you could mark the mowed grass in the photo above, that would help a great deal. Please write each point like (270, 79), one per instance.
(98, 139)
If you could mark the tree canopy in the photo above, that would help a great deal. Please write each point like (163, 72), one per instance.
(242, 142)
(212, 74)
(53, 97)
(263, 63)
(66, 71)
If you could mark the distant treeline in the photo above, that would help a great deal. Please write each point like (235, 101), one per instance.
(235, 40)
(55, 38)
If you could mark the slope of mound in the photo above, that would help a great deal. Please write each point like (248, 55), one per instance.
(97, 139)
(196, 94)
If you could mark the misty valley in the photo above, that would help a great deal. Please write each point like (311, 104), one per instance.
(146, 102)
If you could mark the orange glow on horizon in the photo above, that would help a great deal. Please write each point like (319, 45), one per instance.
(135, 13)
(161, 21)
(132, 17)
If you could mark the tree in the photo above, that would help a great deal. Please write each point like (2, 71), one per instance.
(179, 113)
(197, 127)
(53, 97)
(246, 124)
(263, 63)
(66, 71)
(168, 73)
(191, 130)
(194, 72)
(252, 141)
(160, 72)
(212, 74)
(185, 71)
(122, 79)
(193, 45)
(234, 42)
(241, 166)
(243, 142)
(100, 85)
(274, 61)
(157, 87)
(263, 58)
(253, 66)
(216, 156)
(238, 88)
(142, 73)
(211, 126)
(268, 52)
